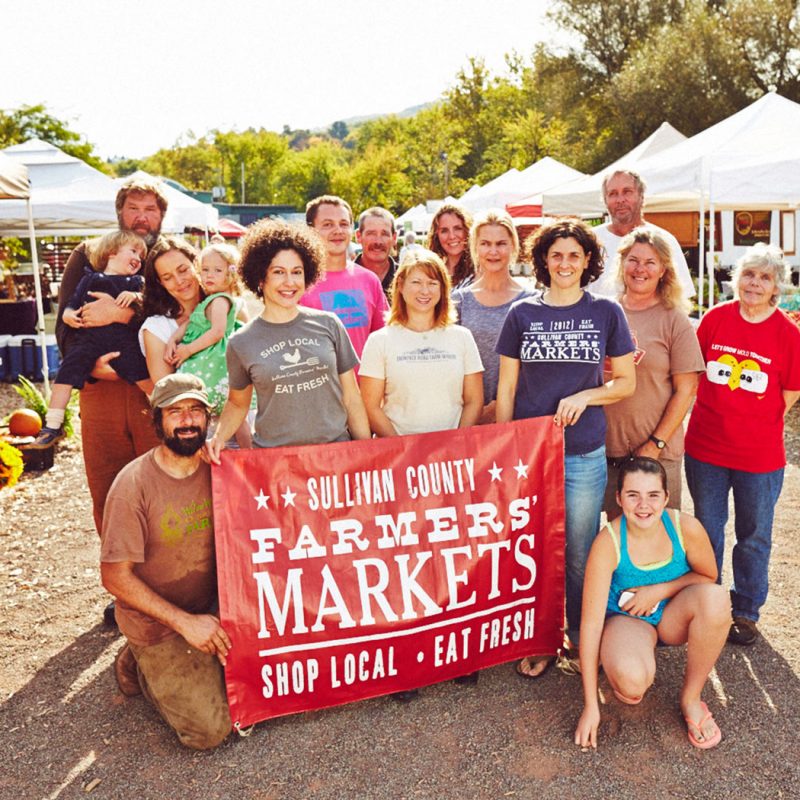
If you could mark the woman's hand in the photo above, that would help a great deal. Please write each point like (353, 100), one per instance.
(644, 600)
(570, 409)
(586, 730)
(212, 449)
(649, 450)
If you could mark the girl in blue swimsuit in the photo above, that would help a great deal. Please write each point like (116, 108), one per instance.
(650, 577)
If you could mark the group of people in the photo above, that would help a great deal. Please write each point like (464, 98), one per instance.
(446, 338)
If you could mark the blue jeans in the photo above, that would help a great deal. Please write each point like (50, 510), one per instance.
(584, 485)
(754, 497)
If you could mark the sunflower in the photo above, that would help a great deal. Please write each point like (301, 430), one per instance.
(11, 464)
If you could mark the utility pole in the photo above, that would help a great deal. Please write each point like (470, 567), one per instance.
(242, 165)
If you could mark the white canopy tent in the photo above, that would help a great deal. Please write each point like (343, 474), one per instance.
(15, 187)
(522, 187)
(584, 195)
(749, 159)
(493, 193)
(69, 197)
(183, 211)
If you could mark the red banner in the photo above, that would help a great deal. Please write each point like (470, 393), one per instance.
(358, 569)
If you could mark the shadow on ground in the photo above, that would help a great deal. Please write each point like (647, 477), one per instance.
(69, 730)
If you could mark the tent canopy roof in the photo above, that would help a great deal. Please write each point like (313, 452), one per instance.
(67, 195)
(584, 195)
(14, 183)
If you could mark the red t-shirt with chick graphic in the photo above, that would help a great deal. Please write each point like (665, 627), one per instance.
(737, 421)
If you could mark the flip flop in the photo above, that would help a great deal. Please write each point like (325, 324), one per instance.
(696, 738)
(532, 661)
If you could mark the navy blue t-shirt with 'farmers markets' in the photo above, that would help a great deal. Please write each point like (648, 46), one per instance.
(561, 350)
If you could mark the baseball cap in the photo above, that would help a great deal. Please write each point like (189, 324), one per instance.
(179, 386)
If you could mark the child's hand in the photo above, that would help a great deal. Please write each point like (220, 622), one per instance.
(124, 299)
(182, 352)
(586, 730)
(169, 351)
(72, 318)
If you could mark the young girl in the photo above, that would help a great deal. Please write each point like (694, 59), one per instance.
(650, 576)
(198, 345)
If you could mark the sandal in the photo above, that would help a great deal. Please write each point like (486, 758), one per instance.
(533, 667)
(695, 733)
(569, 661)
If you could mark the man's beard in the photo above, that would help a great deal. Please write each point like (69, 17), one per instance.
(182, 446)
(150, 238)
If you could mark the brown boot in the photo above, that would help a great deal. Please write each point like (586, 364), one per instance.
(127, 672)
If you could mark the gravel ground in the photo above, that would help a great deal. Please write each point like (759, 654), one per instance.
(66, 731)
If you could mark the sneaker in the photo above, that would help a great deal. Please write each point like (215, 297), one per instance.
(127, 672)
(743, 631)
(46, 438)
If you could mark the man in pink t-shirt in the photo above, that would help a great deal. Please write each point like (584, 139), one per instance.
(351, 292)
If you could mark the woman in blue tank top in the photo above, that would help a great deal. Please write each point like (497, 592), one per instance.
(650, 577)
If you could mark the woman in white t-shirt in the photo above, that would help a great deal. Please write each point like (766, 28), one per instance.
(422, 372)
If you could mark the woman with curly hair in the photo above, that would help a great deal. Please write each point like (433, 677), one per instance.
(299, 360)
(448, 237)
(552, 348)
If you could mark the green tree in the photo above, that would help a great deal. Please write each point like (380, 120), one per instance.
(338, 130)
(29, 122)
(767, 35)
(609, 30)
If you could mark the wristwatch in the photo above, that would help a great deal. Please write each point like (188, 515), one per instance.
(659, 443)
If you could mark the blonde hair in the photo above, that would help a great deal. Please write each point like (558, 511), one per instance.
(493, 216)
(230, 255)
(431, 265)
(101, 249)
(669, 289)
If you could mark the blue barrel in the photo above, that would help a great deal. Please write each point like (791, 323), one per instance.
(4, 340)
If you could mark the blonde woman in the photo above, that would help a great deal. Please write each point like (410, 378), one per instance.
(483, 305)
(668, 364)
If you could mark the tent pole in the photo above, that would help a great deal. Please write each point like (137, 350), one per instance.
(39, 305)
(711, 243)
(701, 255)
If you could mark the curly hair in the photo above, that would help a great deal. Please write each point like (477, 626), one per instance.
(157, 300)
(465, 269)
(434, 267)
(538, 244)
(669, 289)
(264, 240)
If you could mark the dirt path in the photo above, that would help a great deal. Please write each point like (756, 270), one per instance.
(65, 730)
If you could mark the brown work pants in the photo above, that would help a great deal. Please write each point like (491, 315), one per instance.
(187, 688)
(116, 427)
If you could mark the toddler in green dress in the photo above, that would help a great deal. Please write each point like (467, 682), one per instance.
(198, 345)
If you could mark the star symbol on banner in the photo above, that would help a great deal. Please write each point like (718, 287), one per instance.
(522, 469)
(495, 472)
(261, 499)
(288, 497)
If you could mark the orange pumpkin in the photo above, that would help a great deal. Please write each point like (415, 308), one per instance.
(24, 422)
